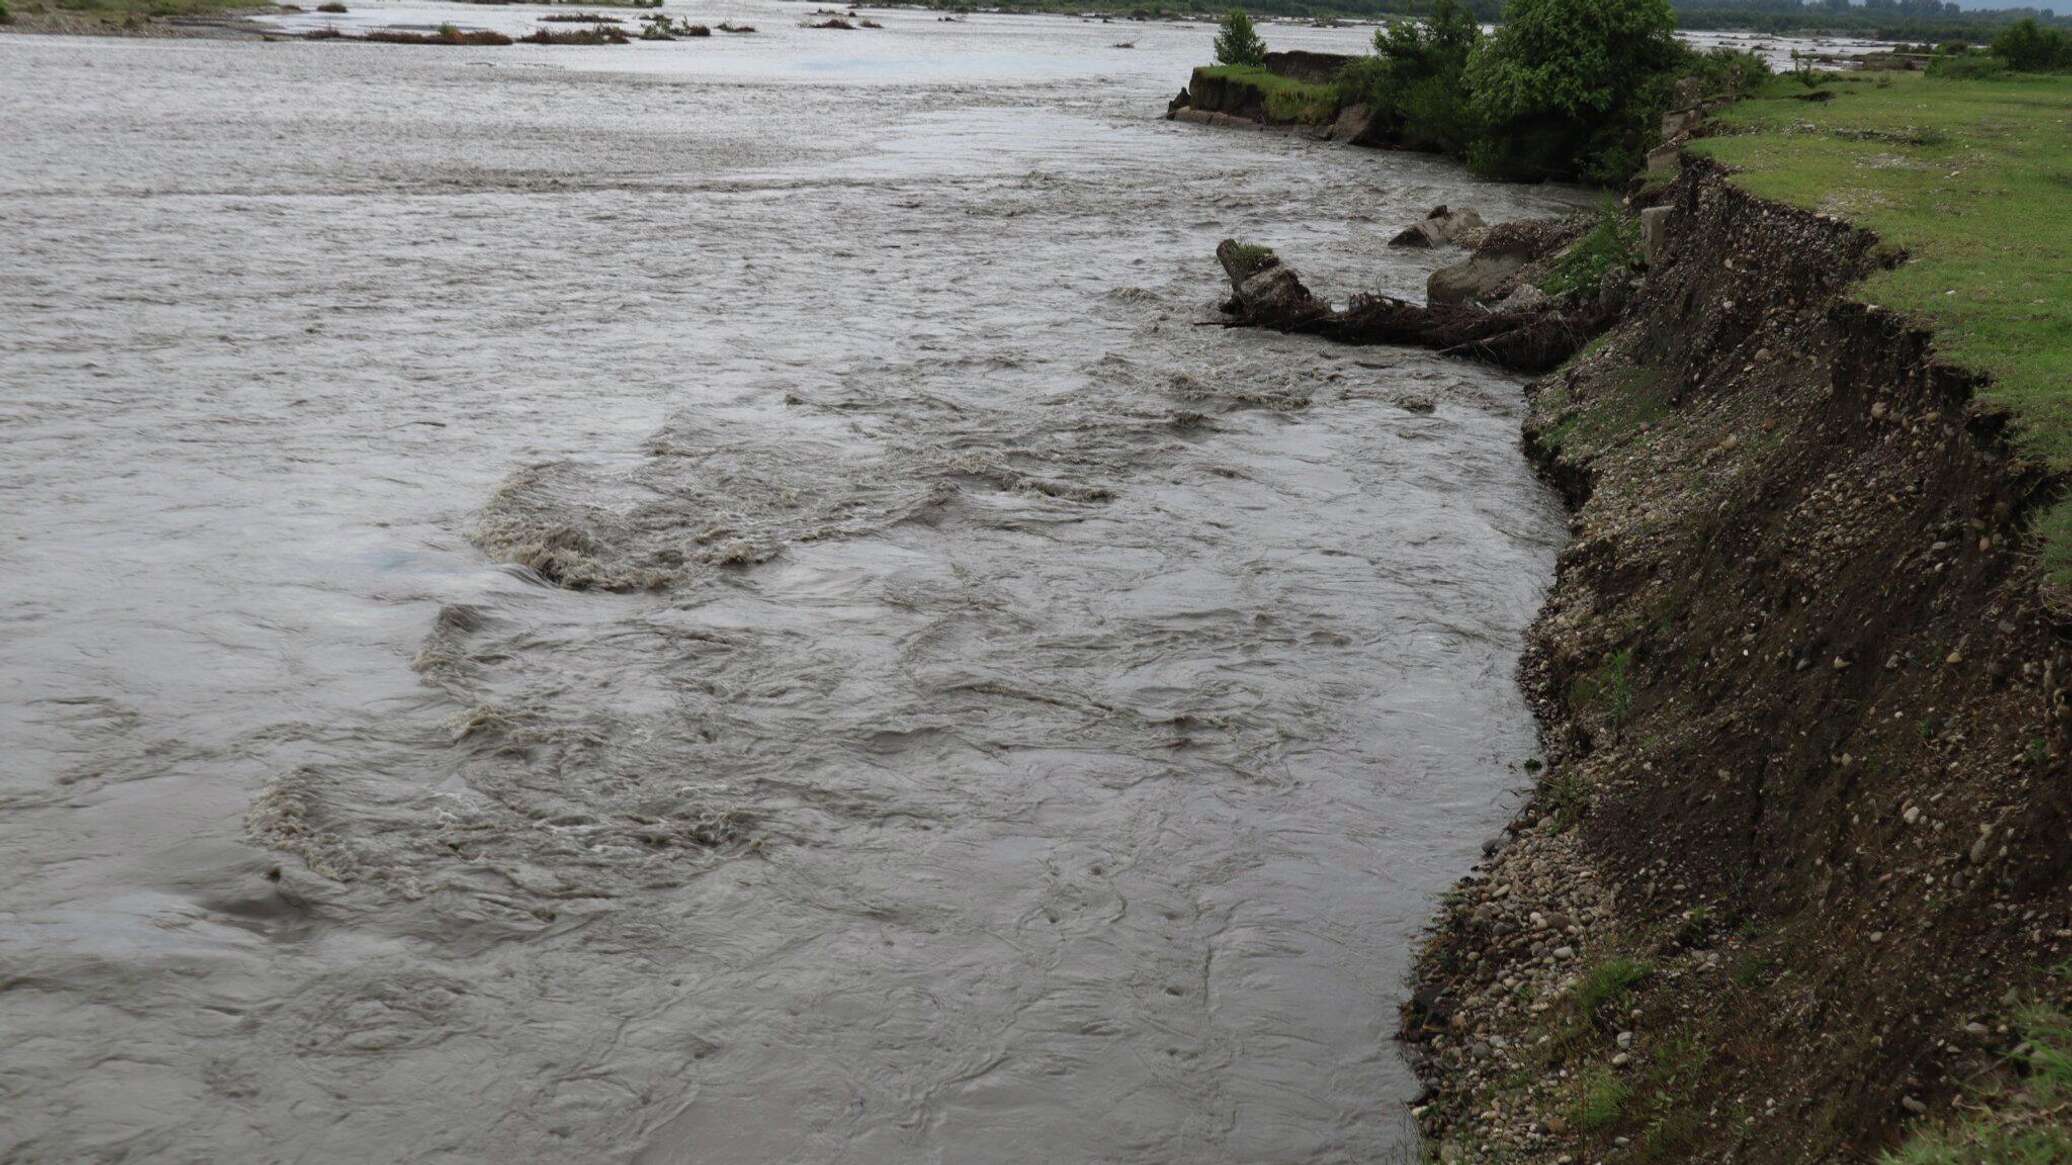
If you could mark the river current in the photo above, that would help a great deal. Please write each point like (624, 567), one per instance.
(711, 602)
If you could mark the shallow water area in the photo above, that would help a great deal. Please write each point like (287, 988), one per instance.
(709, 601)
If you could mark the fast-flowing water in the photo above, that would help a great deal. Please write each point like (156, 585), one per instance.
(710, 602)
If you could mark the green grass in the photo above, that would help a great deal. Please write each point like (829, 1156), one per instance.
(1605, 983)
(1600, 1100)
(1614, 243)
(1286, 100)
(2017, 1123)
(1973, 179)
(1608, 688)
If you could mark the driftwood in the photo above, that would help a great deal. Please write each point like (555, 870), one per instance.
(1268, 294)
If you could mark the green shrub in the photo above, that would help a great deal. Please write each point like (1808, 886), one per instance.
(1725, 72)
(1416, 79)
(1568, 87)
(1238, 44)
(6, 17)
(2032, 48)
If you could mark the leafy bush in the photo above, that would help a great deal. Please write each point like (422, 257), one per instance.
(2032, 48)
(1238, 44)
(1568, 87)
(1725, 72)
(1415, 81)
(6, 17)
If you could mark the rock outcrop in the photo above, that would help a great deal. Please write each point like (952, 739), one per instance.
(1504, 253)
(1443, 225)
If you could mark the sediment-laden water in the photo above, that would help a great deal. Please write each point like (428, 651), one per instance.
(709, 602)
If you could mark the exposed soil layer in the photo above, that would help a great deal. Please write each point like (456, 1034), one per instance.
(1799, 847)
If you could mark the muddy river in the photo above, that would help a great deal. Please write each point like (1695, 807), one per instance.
(709, 602)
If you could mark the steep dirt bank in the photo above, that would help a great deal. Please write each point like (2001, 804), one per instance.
(1799, 849)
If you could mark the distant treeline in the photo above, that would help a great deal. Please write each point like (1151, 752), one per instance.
(1924, 21)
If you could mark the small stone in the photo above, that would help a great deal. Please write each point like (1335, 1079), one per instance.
(1564, 952)
(1981, 848)
(1621, 1060)
(1841, 664)
(1912, 1105)
(1625, 1039)
(1912, 814)
(1877, 936)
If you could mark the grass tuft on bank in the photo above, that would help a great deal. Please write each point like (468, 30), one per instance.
(1973, 179)
(2020, 1120)
(1286, 99)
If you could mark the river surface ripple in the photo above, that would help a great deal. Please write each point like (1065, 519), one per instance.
(708, 602)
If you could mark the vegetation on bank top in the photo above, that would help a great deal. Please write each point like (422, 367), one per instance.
(1238, 42)
(1287, 100)
(1973, 179)
(1562, 89)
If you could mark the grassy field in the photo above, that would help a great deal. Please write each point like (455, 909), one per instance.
(1974, 179)
(1286, 100)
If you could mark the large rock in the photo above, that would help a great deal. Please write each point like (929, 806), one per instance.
(1474, 278)
(1654, 235)
(1354, 124)
(1442, 225)
(1505, 251)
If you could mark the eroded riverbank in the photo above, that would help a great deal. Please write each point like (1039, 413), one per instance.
(1052, 719)
(1791, 886)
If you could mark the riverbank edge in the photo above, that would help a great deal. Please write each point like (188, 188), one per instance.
(1787, 874)
(230, 23)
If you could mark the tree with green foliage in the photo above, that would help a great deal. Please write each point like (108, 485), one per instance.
(1415, 79)
(1567, 87)
(1238, 44)
(2032, 48)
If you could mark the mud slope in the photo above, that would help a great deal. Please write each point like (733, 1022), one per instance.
(1799, 849)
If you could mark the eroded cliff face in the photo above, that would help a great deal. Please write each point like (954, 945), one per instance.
(1800, 846)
